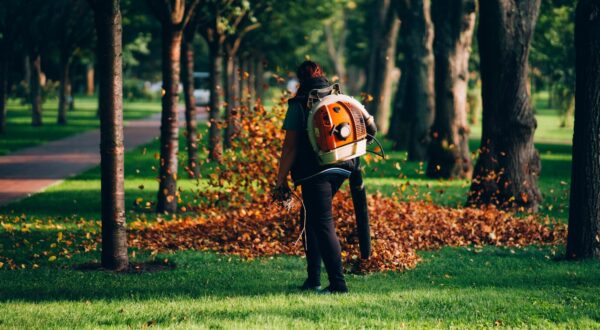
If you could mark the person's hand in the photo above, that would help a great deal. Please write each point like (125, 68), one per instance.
(281, 192)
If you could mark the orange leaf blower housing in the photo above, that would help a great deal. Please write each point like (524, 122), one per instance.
(336, 125)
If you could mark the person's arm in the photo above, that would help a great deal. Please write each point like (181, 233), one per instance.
(288, 155)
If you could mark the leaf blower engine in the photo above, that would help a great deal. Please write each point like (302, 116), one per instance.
(339, 127)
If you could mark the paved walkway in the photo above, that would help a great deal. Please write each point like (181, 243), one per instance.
(34, 169)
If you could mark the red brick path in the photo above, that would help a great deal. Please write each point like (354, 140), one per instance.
(34, 169)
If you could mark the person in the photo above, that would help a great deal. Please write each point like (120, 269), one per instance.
(319, 185)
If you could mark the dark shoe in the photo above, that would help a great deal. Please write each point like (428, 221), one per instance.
(310, 286)
(334, 290)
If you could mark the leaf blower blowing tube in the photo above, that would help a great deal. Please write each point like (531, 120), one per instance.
(359, 195)
(359, 199)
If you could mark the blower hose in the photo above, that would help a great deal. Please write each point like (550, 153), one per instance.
(380, 154)
(283, 196)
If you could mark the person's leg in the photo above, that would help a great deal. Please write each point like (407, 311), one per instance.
(319, 210)
(311, 248)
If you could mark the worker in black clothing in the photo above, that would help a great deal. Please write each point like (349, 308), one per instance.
(319, 184)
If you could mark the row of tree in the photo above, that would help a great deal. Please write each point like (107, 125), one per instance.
(430, 107)
(430, 102)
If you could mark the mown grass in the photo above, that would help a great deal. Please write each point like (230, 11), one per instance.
(470, 287)
(461, 288)
(20, 134)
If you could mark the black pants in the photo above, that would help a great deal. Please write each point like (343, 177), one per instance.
(321, 241)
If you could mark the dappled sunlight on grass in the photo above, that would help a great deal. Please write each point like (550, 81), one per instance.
(20, 134)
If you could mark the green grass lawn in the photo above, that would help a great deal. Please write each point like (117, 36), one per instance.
(20, 134)
(453, 287)
(457, 288)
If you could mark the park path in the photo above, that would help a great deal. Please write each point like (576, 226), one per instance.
(32, 170)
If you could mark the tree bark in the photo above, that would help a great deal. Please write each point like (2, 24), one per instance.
(231, 97)
(35, 90)
(251, 82)
(242, 83)
(399, 129)
(382, 61)
(416, 103)
(259, 80)
(583, 240)
(215, 145)
(454, 22)
(3, 92)
(89, 80)
(336, 51)
(107, 16)
(64, 92)
(169, 127)
(508, 167)
(71, 95)
(187, 69)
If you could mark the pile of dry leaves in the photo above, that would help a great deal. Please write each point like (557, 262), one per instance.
(237, 216)
(397, 229)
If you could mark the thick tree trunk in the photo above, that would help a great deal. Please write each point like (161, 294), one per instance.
(215, 145)
(417, 101)
(169, 126)
(35, 90)
(187, 74)
(109, 56)
(382, 61)
(583, 240)
(508, 167)
(89, 80)
(449, 155)
(64, 92)
(231, 98)
(3, 92)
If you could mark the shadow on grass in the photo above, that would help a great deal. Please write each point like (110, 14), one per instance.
(202, 274)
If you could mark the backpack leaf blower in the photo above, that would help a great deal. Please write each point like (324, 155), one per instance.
(339, 129)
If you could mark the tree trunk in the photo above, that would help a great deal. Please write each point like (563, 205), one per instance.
(35, 90)
(109, 56)
(336, 51)
(231, 95)
(187, 70)
(399, 129)
(382, 61)
(215, 146)
(259, 87)
(169, 126)
(583, 239)
(3, 92)
(89, 80)
(242, 83)
(251, 82)
(508, 167)
(64, 92)
(417, 101)
(71, 97)
(449, 155)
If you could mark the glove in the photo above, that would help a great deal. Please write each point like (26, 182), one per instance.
(281, 194)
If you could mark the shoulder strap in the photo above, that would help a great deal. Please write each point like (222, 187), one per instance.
(316, 95)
